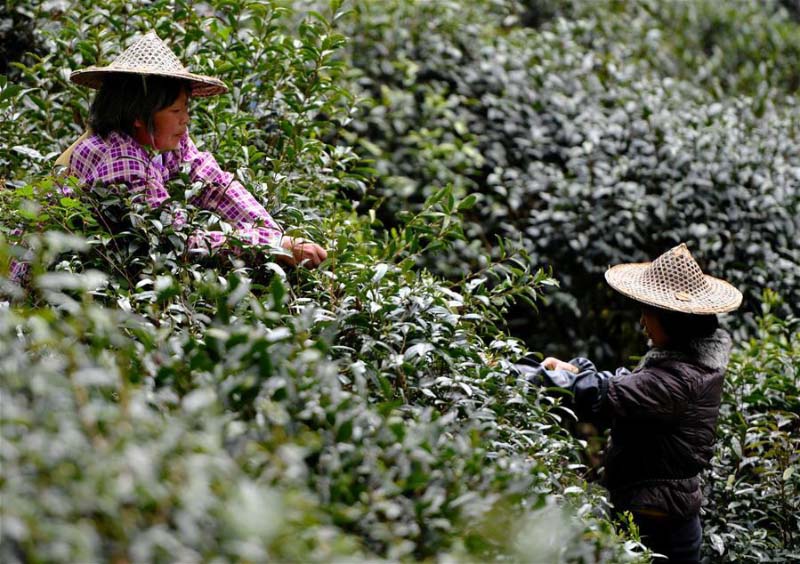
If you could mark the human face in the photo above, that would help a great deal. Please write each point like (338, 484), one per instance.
(653, 329)
(169, 125)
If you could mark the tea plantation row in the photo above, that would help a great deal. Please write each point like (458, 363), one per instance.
(160, 408)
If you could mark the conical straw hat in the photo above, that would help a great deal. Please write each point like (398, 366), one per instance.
(674, 281)
(150, 56)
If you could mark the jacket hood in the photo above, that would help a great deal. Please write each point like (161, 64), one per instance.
(712, 352)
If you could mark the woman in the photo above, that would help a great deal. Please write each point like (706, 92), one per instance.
(663, 414)
(139, 137)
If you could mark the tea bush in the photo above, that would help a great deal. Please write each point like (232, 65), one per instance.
(367, 404)
(157, 407)
(753, 509)
(726, 48)
(587, 147)
(98, 466)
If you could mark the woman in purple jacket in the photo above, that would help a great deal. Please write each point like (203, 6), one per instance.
(139, 137)
(663, 414)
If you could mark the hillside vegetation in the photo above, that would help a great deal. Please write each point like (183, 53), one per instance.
(472, 168)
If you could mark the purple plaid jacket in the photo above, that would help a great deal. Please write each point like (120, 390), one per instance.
(120, 159)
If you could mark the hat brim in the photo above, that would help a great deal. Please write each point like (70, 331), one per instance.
(201, 86)
(719, 297)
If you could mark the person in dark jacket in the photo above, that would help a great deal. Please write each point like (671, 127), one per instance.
(663, 414)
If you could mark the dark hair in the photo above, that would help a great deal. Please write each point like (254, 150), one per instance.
(682, 328)
(124, 98)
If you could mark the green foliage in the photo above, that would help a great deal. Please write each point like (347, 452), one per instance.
(160, 406)
(754, 487)
(583, 146)
(368, 399)
(727, 48)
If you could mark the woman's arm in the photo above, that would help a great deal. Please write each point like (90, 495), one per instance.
(585, 388)
(599, 395)
(235, 204)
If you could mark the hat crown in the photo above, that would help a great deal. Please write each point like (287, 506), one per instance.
(149, 56)
(674, 281)
(149, 53)
(677, 273)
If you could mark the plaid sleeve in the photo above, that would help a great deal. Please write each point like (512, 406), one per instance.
(19, 272)
(119, 159)
(227, 197)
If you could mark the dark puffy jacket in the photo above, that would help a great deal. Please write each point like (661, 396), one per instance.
(663, 419)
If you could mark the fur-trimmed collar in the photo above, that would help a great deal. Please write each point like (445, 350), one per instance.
(712, 352)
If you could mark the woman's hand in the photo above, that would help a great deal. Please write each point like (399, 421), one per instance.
(552, 363)
(304, 253)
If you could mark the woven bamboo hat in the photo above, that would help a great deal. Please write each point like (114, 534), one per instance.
(150, 56)
(674, 281)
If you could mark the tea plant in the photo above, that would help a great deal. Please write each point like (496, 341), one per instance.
(584, 139)
(227, 408)
(159, 407)
(754, 488)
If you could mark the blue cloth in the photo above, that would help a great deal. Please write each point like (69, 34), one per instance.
(588, 388)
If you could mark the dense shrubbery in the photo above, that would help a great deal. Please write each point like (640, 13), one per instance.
(728, 48)
(159, 408)
(753, 511)
(588, 150)
(354, 410)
